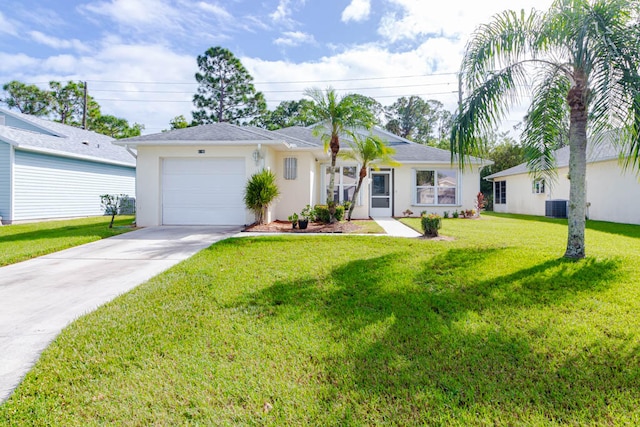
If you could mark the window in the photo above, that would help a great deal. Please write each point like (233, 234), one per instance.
(538, 186)
(345, 183)
(290, 168)
(436, 187)
(500, 192)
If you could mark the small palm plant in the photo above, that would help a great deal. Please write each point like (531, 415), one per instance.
(260, 192)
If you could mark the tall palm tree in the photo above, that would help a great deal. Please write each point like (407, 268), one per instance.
(337, 114)
(580, 59)
(368, 151)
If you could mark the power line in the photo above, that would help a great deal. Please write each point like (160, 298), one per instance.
(280, 82)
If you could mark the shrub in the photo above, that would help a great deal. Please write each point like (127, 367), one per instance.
(260, 191)
(445, 214)
(114, 204)
(431, 224)
(408, 212)
(323, 215)
(308, 213)
(456, 214)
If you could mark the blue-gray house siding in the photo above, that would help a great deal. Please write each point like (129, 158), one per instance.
(5, 180)
(49, 186)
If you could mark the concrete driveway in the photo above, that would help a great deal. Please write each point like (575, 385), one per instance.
(39, 297)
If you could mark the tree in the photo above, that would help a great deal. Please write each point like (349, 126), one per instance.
(286, 114)
(260, 192)
(115, 127)
(367, 151)
(67, 102)
(581, 58)
(505, 152)
(226, 92)
(415, 119)
(179, 122)
(337, 114)
(28, 99)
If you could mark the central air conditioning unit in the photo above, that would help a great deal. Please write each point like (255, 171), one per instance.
(556, 208)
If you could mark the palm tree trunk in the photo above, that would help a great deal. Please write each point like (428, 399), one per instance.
(331, 204)
(577, 99)
(363, 175)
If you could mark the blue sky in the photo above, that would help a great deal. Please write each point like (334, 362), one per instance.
(139, 56)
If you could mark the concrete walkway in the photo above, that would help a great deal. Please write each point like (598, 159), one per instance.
(39, 297)
(395, 228)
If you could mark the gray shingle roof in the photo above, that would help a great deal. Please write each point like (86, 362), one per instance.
(605, 150)
(214, 132)
(66, 140)
(406, 151)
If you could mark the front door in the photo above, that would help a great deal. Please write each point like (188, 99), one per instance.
(381, 203)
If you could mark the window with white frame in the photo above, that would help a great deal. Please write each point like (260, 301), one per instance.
(538, 186)
(346, 179)
(435, 187)
(500, 192)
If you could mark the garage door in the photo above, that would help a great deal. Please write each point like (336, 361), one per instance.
(203, 191)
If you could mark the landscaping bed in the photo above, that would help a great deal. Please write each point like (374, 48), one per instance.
(359, 226)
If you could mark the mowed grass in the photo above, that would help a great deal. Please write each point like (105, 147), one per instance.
(20, 242)
(494, 328)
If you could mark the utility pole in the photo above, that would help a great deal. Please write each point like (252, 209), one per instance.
(459, 92)
(84, 108)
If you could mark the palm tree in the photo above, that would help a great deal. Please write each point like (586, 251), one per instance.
(337, 114)
(580, 59)
(367, 151)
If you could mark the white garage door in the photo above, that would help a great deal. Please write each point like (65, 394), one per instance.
(203, 191)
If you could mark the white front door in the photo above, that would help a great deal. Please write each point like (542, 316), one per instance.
(381, 200)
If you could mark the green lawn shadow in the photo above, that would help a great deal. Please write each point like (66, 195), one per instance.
(422, 351)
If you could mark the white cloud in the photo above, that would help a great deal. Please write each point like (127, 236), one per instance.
(57, 43)
(454, 18)
(7, 26)
(282, 12)
(136, 12)
(216, 10)
(294, 38)
(357, 10)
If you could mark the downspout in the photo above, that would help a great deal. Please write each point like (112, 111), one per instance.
(130, 151)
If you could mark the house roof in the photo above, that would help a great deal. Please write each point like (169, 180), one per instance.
(600, 152)
(293, 138)
(216, 133)
(406, 151)
(35, 134)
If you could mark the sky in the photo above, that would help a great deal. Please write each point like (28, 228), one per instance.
(138, 57)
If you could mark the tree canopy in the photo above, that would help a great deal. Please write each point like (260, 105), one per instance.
(580, 59)
(413, 118)
(64, 103)
(225, 92)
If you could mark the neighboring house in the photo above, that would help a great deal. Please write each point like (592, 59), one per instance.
(198, 176)
(50, 170)
(612, 193)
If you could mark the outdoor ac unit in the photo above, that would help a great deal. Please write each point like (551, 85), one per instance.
(556, 208)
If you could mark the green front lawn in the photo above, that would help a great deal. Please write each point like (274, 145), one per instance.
(20, 242)
(493, 328)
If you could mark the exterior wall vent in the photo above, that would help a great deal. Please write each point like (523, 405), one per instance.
(290, 168)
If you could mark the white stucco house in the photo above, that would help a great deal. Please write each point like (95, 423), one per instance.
(50, 170)
(613, 194)
(197, 176)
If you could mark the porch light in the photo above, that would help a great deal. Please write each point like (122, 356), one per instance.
(257, 155)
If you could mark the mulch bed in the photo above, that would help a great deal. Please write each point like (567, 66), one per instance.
(313, 227)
